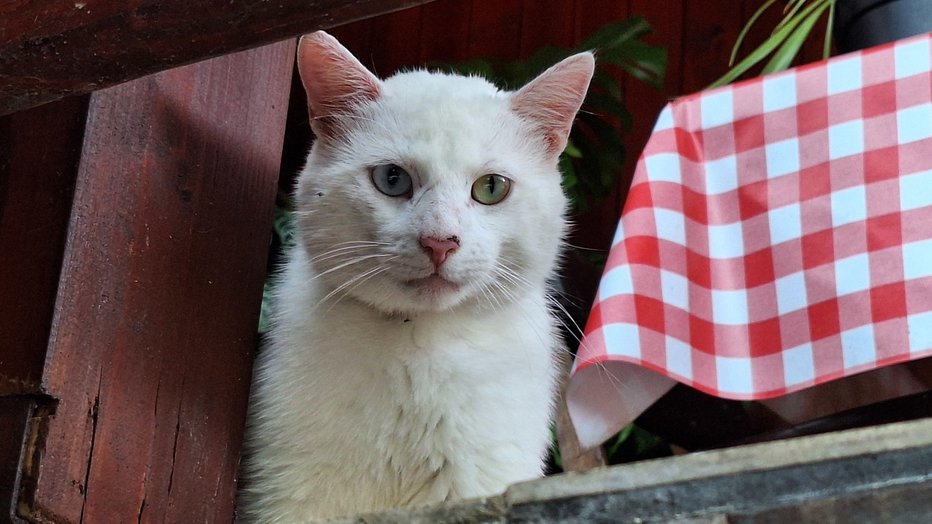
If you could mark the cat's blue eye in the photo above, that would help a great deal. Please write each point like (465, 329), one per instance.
(490, 189)
(392, 180)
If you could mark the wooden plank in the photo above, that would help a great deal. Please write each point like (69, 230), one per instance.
(39, 152)
(153, 337)
(14, 419)
(50, 49)
(397, 27)
(871, 476)
(708, 36)
(445, 31)
(547, 22)
(495, 29)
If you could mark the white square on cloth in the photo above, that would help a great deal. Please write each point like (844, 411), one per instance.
(844, 75)
(730, 307)
(849, 205)
(846, 139)
(852, 274)
(911, 58)
(791, 293)
(798, 365)
(785, 223)
(916, 190)
(782, 157)
(717, 108)
(914, 123)
(734, 375)
(858, 346)
(726, 241)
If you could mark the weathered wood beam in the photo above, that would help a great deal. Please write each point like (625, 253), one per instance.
(50, 49)
(873, 475)
(151, 344)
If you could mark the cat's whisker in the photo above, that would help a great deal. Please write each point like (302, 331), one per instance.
(353, 261)
(486, 294)
(575, 330)
(353, 282)
(561, 315)
(341, 251)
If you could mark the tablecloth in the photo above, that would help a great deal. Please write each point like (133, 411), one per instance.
(777, 235)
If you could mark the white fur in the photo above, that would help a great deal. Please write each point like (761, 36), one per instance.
(385, 394)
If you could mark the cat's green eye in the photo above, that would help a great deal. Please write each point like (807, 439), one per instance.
(392, 180)
(490, 189)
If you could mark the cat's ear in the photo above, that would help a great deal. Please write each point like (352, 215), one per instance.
(551, 100)
(335, 82)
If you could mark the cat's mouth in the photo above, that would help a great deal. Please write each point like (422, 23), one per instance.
(433, 284)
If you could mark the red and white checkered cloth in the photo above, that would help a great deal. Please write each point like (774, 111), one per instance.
(777, 235)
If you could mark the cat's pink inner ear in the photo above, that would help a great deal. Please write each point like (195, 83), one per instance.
(551, 100)
(334, 80)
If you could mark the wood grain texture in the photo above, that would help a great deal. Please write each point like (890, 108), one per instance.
(14, 419)
(152, 342)
(50, 49)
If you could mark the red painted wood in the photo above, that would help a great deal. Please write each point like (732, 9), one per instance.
(152, 342)
(495, 29)
(15, 413)
(547, 22)
(708, 36)
(445, 31)
(592, 15)
(402, 27)
(50, 49)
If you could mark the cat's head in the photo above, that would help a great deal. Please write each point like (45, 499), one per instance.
(429, 191)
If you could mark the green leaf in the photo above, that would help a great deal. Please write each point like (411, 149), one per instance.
(747, 27)
(784, 56)
(613, 34)
(769, 45)
(789, 12)
(606, 83)
(829, 30)
(571, 150)
(265, 310)
(283, 225)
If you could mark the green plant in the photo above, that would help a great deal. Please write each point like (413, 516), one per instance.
(787, 38)
(595, 153)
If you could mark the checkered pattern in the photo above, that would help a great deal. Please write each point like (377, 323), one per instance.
(777, 234)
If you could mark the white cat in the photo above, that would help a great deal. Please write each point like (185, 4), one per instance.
(412, 357)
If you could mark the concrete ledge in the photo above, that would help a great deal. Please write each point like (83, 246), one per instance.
(878, 474)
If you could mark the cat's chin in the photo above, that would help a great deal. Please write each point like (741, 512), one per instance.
(434, 285)
(432, 293)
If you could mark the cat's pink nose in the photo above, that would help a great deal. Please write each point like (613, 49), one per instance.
(439, 249)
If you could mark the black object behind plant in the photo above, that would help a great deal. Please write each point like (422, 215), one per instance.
(860, 24)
